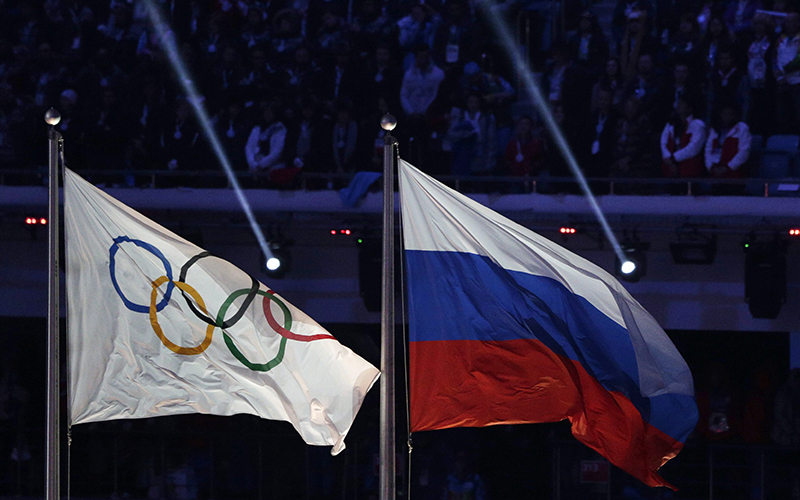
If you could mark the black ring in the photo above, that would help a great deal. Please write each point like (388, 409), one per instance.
(251, 295)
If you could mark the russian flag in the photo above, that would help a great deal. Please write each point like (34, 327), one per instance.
(507, 327)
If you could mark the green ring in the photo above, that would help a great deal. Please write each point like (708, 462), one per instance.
(258, 367)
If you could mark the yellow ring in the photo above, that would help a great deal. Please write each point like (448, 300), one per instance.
(157, 328)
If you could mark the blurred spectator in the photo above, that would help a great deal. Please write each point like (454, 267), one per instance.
(524, 152)
(370, 27)
(455, 37)
(717, 35)
(728, 83)
(596, 137)
(71, 126)
(420, 83)
(107, 129)
(560, 76)
(418, 27)
(342, 81)
(728, 143)
(259, 79)
(233, 130)
(612, 81)
(682, 142)
(739, 15)
(627, 10)
(463, 483)
(47, 75)
(760, 76)
(301, 77)
(635, 153)
(255, 30)
(226, 75)
(684, 44)
(181, 140)
(681, 84)
(287, 34)
(588, 47)
(345, 138)
(787, 75)
(8, 107)
(635, 42)
(472, 134)
(646, 84)
(382, 77)
(718, 406)
(265, 145)
(418, 91)
(496, 94)
(330, 32)
(122, 35)
(310, 140)
(669, 14)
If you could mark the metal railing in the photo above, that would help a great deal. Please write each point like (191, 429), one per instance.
(475, 184)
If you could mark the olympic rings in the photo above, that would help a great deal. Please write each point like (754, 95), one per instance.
(155, 251)
(189, 351)
(198, 307)
(287, 321)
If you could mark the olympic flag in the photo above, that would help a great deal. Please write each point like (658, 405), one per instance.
(157, 326)
(506, 327)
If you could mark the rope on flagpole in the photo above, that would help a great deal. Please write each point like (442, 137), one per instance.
(404, 327)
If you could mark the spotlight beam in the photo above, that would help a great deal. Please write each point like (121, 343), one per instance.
(167, 40)
(501, 31)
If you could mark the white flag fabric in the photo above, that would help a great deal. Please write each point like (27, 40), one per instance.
(158, 326)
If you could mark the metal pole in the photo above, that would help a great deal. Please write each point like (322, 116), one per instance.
(387, 434)
(53, 444)
(710, 473)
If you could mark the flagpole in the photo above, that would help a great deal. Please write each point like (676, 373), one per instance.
(387, 433)
(53, 444)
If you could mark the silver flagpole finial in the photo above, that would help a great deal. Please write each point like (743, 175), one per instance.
(52, 117)
(388, 122)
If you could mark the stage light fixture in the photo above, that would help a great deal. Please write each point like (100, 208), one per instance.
(765, 276)
(693, 247)
(279, 264)
(634, 266)
(794, 232)
(567, 230)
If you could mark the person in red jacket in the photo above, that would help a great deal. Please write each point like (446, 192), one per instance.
(682, 142)
(524, 152)
(728, 144)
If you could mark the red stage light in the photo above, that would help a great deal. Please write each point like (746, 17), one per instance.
(333, 232)
(567, 230)
(794, 232)
(42, 221)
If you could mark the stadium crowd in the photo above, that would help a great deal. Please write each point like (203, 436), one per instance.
(678, 90)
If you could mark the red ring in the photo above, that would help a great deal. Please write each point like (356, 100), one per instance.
(283, 331)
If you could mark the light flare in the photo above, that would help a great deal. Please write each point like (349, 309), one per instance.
(502, 32)
(166, 40)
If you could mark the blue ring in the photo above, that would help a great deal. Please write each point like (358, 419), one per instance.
(155, 251)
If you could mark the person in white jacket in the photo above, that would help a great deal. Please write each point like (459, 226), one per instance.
(728, 144)
(682, 142)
